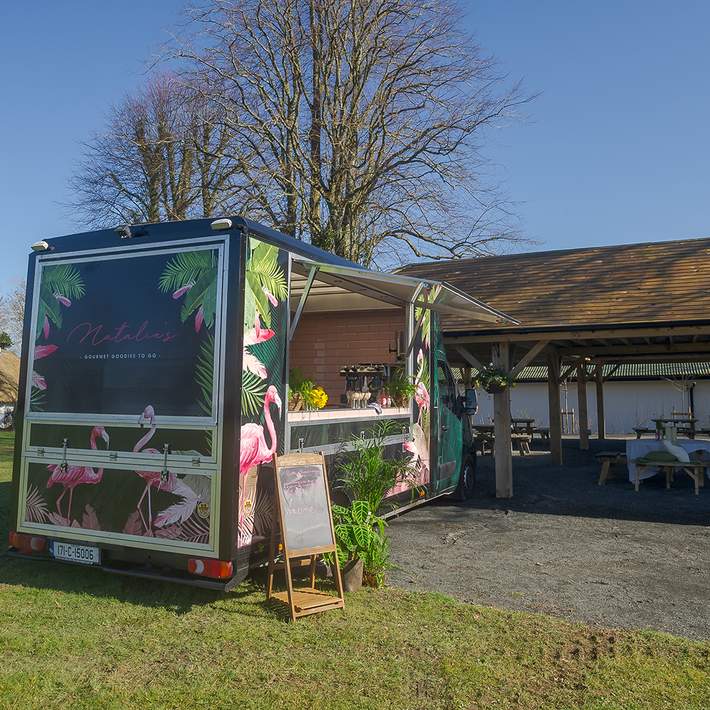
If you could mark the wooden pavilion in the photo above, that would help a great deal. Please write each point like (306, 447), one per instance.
(579, 310)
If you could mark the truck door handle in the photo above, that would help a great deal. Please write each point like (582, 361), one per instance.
(444, 427)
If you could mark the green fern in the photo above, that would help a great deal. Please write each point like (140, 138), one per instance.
(262, 272)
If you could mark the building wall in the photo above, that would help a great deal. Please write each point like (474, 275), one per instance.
(626, 404)
(325, 342)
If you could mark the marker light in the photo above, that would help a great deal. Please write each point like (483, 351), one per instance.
(223, 223)
(217, 569)
(27, 544)
(40, 246)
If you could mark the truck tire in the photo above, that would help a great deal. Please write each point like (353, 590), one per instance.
(467, 479)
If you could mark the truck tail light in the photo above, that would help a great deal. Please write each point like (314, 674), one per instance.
(217, 569)
(27, 544)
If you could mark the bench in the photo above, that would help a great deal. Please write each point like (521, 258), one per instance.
(695, 469)
(522, 441)
(607, 460)
(640, 431)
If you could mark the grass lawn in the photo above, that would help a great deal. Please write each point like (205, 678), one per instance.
(71, 637)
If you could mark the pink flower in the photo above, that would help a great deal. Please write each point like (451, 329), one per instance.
(182, 290)
(38, 381)
(421, 395)
(270, 296)
(258, 334)
(45, 328)
(199, 319)
(44, 351)
(62, 299)
(253, 364)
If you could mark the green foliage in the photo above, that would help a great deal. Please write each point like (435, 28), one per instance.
(365, 473)
(5, 340)
(58, 280)
(253, 391)
(400, 387)
(198, 268)
(204, 373)
(262, 273)
(360, 535)
(491, 377)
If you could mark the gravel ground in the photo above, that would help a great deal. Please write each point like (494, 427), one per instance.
(565, 546)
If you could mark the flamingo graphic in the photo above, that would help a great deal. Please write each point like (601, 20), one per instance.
(253, 449)
(154, 479)
(72, 476)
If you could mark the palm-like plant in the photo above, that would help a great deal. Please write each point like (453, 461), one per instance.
(194, 275)
(61, 284)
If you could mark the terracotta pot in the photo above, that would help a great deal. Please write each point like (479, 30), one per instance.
(352, 576)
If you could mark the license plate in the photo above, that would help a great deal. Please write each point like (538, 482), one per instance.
(81, 554)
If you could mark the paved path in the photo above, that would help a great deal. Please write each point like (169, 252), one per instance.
(565, 546)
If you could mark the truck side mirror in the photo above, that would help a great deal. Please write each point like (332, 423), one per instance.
(470, 402)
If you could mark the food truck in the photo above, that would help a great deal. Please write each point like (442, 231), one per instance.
(155, 390)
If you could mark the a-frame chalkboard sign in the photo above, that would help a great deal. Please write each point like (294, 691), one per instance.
(305, 524)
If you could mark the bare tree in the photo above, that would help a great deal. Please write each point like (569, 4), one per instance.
(159, 158)
(356, 124)
(12, 314)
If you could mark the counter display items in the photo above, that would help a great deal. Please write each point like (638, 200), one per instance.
(158, 383)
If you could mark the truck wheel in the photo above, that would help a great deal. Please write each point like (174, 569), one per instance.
(467, 479)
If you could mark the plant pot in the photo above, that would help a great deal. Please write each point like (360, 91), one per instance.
(352, 576)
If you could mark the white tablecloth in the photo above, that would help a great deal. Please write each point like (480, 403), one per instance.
(636, 449)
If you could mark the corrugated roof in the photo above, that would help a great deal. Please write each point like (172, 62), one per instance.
(627, 371)
(630, 283)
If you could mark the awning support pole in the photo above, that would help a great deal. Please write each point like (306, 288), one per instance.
(302, 302)
(419, 322)
(601, 424)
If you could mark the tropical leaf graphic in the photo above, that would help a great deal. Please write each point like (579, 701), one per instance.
(192, 275)
(204, 372)
(61, 284)
(196, 530)
(253, 392)
(264, 277)
(36, 508)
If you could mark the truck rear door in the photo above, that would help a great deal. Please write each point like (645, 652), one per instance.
(122, 414)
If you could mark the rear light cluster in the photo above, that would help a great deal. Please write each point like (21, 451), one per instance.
(27, 544)
(217, 569)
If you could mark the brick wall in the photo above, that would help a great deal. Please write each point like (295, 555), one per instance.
(325, 342)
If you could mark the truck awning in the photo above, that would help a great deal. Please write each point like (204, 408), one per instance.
(330, 282)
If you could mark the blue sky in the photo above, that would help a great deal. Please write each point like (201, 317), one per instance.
(614, 150)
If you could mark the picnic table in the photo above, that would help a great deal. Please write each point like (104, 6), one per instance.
(684, 424)
(638, 450)
(525, 424)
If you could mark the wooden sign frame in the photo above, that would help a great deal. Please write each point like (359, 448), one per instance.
(304, 600)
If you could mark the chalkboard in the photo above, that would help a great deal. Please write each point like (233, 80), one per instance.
(304, 502)
(114, 335)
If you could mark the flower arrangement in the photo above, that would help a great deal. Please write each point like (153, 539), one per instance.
(493, 379)
(400, 388)
(304, 393)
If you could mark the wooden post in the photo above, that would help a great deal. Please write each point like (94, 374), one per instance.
(582, 401)
(553, 389)
(502, 450)
(601, 422)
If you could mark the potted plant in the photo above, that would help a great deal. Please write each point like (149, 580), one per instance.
(365, 473)
(493, 379)
(400, 388)
(362, 549)
(304, 393)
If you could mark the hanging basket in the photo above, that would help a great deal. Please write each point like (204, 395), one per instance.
(494, 388)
